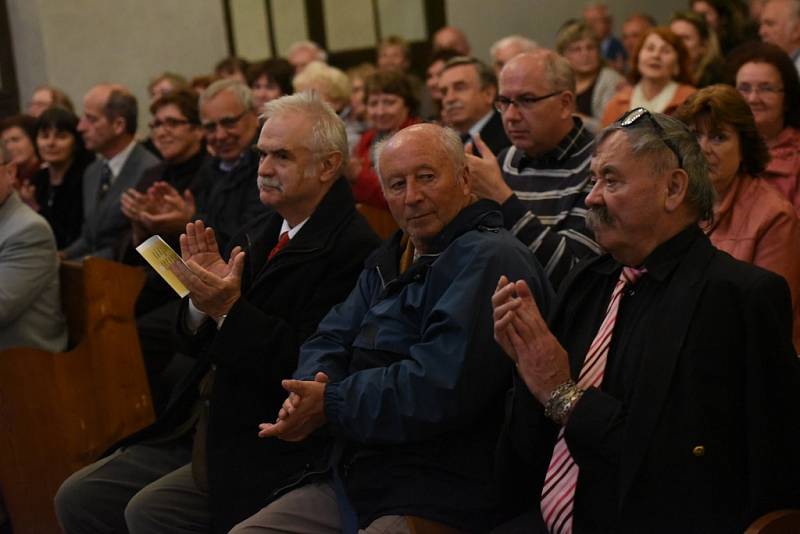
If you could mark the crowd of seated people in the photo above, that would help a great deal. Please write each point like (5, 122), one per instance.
(597, 272)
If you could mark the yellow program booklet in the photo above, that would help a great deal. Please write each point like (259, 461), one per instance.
(160, 256)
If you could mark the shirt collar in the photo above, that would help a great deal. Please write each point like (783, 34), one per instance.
(117, 162)
(562, 150)
(663, 259)
(292, 231)
(478, 126)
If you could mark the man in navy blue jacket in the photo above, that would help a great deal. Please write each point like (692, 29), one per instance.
(405, 374)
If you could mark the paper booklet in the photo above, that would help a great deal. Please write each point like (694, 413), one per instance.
(160, 256)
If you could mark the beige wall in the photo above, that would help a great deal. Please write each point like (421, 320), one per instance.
(74, 44)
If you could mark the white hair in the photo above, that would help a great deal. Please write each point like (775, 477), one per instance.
(521, 42)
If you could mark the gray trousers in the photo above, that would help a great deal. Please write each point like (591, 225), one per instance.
(311, 509)
(137, 489)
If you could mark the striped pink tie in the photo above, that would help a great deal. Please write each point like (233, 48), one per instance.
(558, 493)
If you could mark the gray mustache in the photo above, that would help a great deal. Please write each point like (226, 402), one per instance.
(598, 216)
(264, 183)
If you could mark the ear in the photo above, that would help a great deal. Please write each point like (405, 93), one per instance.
(465, 184)
(330, 167)
(118, 126)
(567, 100)
(677, 187)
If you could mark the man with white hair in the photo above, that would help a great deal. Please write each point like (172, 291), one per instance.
(405, 373)
(780, 25)
(201, 466)
(506, 48)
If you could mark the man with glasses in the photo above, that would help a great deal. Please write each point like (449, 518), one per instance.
(541, 181)
(662, 395)
(226, 200)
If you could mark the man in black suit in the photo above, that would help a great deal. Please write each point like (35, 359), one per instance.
(468, 88)
(201, 467)
(663, 395)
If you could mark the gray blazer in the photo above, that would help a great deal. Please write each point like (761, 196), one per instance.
(30, 301)
(103, 222)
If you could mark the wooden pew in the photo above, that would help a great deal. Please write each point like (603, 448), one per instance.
(60, 411)
(380, 221)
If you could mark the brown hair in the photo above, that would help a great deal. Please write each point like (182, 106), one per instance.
(393, 83)
(720, 104)
(684, 72)
(184, 99)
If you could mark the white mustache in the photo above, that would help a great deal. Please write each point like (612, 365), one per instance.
(265, 183)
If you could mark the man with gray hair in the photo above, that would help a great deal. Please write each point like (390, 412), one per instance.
(225, 199)
(201, 467)
(405, 373)
(468, 89)
(780, 25)
(543, 178)
(664, 389)
(508, 47)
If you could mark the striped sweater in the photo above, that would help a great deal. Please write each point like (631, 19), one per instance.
(547, 210)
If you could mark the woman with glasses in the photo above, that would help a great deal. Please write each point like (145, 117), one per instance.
(660, 76)
(752, 221)
(767, 79)
(391, 106)
(59, 186)
(595, 82)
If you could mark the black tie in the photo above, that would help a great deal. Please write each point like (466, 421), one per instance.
(465, 137)
(105, 182)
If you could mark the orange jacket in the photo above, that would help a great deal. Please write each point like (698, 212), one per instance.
(753, 222)
(621, 102)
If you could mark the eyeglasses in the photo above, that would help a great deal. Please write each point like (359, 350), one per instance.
(502, 103)
(227, 123)
(169, 123)
(633, 116)
(765, 89)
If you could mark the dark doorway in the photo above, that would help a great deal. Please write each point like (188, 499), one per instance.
(9, 94)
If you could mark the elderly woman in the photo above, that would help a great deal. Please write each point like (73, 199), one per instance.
(660, 76)
(59, 186)
(752, 221)
(768, 81)
(701, 43)
(269, 79)
(390, 107)
(595, 82)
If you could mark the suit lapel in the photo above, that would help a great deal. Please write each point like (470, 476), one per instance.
(660, 357)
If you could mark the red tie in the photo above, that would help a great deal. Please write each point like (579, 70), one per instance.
(558, 493)
(282, 242)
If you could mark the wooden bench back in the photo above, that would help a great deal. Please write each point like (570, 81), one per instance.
(60, 411)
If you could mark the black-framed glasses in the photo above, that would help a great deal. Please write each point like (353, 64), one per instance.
(227, 123)
(502, 103)
(170, 123)
(635, 115)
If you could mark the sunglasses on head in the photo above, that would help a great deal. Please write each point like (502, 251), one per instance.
(635, 115)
